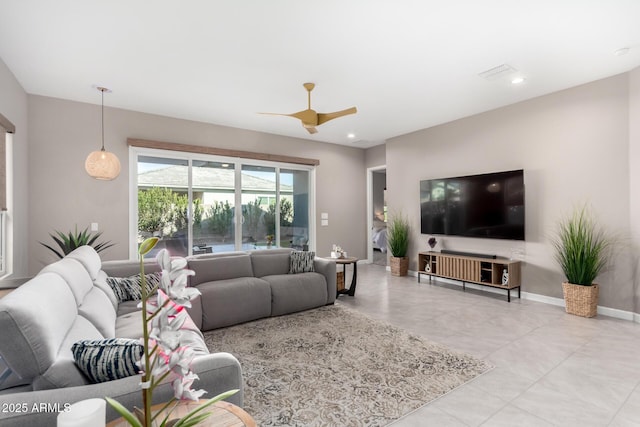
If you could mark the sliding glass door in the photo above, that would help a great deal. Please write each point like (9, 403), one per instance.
(213, 187)
(198, 205)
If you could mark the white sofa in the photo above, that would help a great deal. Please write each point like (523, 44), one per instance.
(67, 301)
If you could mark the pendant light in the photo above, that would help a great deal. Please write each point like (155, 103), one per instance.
(102, 164)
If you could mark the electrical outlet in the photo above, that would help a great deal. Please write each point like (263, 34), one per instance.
(94, 226)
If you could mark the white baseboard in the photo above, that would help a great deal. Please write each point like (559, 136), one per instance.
(605, 311)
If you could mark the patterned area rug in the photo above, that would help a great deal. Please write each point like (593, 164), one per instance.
(333, 366)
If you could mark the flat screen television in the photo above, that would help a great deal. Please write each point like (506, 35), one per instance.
(488, 206)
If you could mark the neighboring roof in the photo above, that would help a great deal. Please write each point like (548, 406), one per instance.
(206, 179)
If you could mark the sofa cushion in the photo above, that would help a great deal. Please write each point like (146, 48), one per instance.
(221, 267)
(301, 262)
(101, 283)
(130, 288)
(232, 301)
(108, 359)
(34, 320)
(63, 372)
(89, 258)
(296, 292)
(97, 308)
(126, 268)
(270, 262)
(76, 276)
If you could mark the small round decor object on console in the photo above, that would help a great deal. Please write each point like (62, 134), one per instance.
(427, 268)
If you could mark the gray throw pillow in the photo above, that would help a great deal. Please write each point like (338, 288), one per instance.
(108, 359)
(301, 262)
(130, 288)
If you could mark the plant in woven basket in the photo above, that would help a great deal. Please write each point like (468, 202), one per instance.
(72, 240)
(398, 231)
(582, 249)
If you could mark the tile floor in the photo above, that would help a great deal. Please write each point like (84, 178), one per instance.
(551, 368)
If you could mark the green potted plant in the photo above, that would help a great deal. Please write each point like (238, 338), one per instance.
(582, 249)
(398, 231)
(67, 243)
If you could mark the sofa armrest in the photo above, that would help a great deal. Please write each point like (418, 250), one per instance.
(328, 269)
(218, 372)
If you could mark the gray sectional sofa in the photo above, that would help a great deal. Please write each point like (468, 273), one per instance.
(70, 300)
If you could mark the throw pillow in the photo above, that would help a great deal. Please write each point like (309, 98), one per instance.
(301, 262)
(130, 288)
(108, 359)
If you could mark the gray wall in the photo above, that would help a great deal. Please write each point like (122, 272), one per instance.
(634, 171)
(14, 106)
(61, 194)
(375, 156)
(573, 146)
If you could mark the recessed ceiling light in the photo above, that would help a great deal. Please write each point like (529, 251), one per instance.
(351, 135)
(517, 80)
(622, 51)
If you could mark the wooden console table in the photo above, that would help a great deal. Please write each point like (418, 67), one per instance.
(223, 414)
(467, 269)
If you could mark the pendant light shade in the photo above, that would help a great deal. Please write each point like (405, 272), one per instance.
(102, 164)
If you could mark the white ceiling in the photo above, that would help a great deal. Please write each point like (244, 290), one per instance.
(406, 65)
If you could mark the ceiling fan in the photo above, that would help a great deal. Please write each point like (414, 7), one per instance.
(310, 118)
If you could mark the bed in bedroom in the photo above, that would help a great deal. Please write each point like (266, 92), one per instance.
(379, 236)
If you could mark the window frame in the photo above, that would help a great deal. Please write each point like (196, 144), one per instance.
(135, 152)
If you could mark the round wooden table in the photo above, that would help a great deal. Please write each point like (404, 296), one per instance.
(223, 414)
(345, 261)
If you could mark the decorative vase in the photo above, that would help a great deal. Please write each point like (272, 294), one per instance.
(85, 413)
(505, 277)
(399, 265)
(580, 300)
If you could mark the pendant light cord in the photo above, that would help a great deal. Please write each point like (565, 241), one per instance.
(102, 91)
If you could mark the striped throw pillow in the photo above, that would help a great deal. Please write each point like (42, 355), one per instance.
(108, 359)
(301, 262)
(130, 288)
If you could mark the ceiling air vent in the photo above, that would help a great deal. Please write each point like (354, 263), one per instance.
(501, 71)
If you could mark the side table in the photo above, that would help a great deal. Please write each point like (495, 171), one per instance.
(223, 414)
(344, 261)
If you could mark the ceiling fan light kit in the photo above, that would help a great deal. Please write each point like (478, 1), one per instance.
(310, 118)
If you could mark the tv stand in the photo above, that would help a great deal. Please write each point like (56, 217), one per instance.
(471, 269)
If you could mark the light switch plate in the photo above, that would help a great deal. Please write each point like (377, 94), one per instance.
(324, 215)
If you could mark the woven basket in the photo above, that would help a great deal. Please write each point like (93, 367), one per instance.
(340, 280)
(399, 266)
(580, 300)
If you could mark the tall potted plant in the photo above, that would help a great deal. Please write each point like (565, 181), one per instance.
(582, 249)
(398, 241)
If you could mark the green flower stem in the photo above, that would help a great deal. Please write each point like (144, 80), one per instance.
(145, 247)
(146, 392)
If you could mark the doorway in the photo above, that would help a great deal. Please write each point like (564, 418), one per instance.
(377, 215)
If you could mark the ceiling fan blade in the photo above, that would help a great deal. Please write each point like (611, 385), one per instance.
(307, 117)
(325, 117)
(276, 114)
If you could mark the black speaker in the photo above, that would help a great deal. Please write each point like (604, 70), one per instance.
(469, 254)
